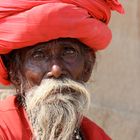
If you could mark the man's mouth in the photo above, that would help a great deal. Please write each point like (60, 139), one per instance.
(63, 90)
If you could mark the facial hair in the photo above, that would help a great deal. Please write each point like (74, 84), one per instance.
(56, 107)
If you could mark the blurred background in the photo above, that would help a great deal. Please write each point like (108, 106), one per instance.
(115, 83)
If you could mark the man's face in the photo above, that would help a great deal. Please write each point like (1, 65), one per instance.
(52, 76)
(55, 59)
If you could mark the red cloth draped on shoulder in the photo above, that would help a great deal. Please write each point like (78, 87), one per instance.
(27, 22)
(21, 130)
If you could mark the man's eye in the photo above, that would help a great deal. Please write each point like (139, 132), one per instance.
(69, 52)
(38, 55)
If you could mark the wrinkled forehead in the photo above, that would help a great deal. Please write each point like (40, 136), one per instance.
(57, 44)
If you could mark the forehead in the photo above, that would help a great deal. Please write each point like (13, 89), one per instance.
(57, 44)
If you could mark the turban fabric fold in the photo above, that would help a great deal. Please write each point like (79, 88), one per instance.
(27, 22)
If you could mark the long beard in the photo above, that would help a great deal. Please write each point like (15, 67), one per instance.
(55, 108)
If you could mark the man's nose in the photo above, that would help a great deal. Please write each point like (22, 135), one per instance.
(56, 71)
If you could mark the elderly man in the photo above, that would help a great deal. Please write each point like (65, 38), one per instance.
(47, 52)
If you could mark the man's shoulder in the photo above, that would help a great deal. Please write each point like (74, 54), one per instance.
(13, 122)
(8, 115)
(8, 104)
(93, 131)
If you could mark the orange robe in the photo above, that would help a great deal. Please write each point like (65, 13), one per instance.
(14, 124)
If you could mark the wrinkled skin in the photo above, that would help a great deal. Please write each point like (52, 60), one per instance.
(54, 59)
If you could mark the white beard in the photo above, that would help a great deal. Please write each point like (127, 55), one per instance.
(55, 108)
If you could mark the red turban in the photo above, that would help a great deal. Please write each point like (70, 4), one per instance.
(27, 22)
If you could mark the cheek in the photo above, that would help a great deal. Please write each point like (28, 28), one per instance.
(34, 75)
(76, 69)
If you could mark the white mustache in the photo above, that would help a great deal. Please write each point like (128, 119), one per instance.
(54, 86)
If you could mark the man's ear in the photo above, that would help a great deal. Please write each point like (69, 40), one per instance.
(88, 65)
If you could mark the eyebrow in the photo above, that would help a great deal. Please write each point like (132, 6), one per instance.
(38, 47)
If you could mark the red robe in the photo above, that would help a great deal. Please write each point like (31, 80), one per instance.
(14, 124)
